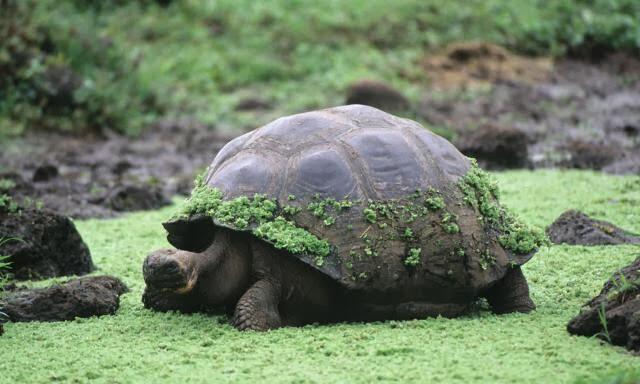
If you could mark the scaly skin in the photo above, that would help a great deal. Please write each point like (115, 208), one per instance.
(257, 309)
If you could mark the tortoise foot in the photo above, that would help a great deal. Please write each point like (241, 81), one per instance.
(164, 301)
(257, 309)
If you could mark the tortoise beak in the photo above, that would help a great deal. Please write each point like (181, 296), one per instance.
(194, 234)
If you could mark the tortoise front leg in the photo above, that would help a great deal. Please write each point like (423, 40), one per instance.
(511, 294)
(257, 309)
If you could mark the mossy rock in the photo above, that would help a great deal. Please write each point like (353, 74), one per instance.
(372, 200)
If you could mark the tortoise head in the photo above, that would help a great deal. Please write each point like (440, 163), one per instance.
(193, 234)
(218, 274)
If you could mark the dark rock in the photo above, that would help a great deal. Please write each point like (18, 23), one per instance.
(614, 315)
(631, 130)
(251, 104)
(49, 245)
(45, 172)
(377, 94)
(495, 147)
(588, 155)
(576, 228)
(121, 167)
(135, 198)
(84, 297)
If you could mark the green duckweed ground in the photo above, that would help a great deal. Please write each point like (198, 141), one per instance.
(138, 345)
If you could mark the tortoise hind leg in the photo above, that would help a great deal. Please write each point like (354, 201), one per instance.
(511, 294)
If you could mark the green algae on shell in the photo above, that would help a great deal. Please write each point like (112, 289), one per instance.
(285, 235)
(413, 257)
(481, 192)
(258, 213)
(267, 219)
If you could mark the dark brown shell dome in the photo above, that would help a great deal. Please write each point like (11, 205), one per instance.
(353, 151)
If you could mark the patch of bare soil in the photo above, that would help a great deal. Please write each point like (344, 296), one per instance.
(495, 146)
(86, 177)
(579, 115)
(478, 64)
(614, 315)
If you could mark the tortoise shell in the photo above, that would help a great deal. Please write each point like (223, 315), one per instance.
(406, 227)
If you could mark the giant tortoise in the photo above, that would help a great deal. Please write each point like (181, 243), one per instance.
(343, 214)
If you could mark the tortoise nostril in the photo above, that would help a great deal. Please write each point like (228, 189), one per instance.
(151, 264)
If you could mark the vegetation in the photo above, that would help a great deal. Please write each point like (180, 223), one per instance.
(170, 347)
(480, 191)
(60, 73)
(615, 377)
(602, 316)
(7, 203)
(623, 287)
(285, 235)
(413, 258)
(124, 62)
(258, 214)
(5, 265)
(10, 204)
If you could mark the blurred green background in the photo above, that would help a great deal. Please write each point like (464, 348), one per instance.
(116, 65)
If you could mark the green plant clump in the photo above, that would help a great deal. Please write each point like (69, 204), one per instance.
(320, 208)
(480, 191)
(486, 260)
(449, 224)
(6, 184)
(434, 201)
(5, 264)
(7, 203)
(259, 213)
(622, 286)
(285, 235)
(370, 215)
(413, 257)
